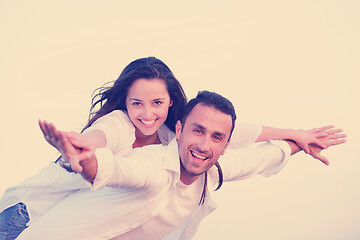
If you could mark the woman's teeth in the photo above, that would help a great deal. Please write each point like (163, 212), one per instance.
(147, 122)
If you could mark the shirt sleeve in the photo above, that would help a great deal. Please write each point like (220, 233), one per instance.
(118, 129)
(244, 134)
(105, 163)
(265, 159)
(141, 168)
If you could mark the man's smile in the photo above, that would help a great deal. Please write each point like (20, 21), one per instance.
(198, 155)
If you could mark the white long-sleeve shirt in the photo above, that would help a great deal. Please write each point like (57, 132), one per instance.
(154, 201)
(53, 184)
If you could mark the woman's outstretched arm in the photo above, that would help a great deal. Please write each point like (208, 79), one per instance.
(67, 143)
(332, 137)
(302, 138)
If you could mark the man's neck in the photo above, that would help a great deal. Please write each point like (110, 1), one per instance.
(187, 178)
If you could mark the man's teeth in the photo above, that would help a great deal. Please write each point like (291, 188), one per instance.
(147, 122)
(198, 156)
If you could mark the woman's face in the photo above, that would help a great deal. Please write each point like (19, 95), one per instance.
(148, 103)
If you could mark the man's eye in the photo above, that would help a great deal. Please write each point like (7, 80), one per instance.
(197, 131)
(217, 138)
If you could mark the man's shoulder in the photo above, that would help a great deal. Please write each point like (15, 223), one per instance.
(156, 150)
(165, 157)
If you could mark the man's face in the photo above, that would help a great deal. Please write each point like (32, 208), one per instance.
(202, 140)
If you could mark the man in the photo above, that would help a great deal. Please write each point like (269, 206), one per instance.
(166, 187)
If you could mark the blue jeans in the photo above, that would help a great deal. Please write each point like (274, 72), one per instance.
(13, 221)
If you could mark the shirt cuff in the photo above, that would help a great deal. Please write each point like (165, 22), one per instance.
(285, 148)
(105, 163)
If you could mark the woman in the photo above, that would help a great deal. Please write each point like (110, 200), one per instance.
(141, 108)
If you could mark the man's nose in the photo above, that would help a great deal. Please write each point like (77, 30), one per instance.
(204, 143)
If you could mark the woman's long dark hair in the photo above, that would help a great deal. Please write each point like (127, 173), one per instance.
(112, 95)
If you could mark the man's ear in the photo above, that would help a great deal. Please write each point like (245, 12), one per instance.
(178, 128)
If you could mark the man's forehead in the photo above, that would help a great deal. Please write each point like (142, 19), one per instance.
(210, 118)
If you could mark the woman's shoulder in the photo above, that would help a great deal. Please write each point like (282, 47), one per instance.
(165, 134)
(116, 118)
(118, 129)
(120, 114)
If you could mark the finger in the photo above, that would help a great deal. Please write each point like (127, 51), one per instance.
(44, 128)
(74, 142)
(41, 125)
(54, 132)
(64, 141)
(68, 134)
(48, 129)
(337, 136)
(319, 157)
(85, 155)
(78, 143)
(78, 140)
(68, 147)
(334, 131)
(306, 149)
(324, 160)
(327, 127)
(75, 166)
(321, 134)
(337, 142)
(72, 137)
(49, 135)
(316, 130)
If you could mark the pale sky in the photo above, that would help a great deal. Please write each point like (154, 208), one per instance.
(288, 64)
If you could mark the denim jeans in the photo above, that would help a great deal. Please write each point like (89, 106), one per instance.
(13, 221)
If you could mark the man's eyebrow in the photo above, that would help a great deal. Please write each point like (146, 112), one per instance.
(197, 125)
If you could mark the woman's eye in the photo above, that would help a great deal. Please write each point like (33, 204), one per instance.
(157, 103)
(136, 104)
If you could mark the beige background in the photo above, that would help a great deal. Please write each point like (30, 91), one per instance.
(290, 64)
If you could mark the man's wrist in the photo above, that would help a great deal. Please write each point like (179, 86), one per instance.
(90, 167)
(293, 146)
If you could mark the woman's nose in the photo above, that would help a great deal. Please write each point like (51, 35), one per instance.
(148, 112)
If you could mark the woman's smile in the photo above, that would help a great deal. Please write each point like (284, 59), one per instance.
(148, 123)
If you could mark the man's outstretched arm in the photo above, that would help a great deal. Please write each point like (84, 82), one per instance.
(89, 168)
